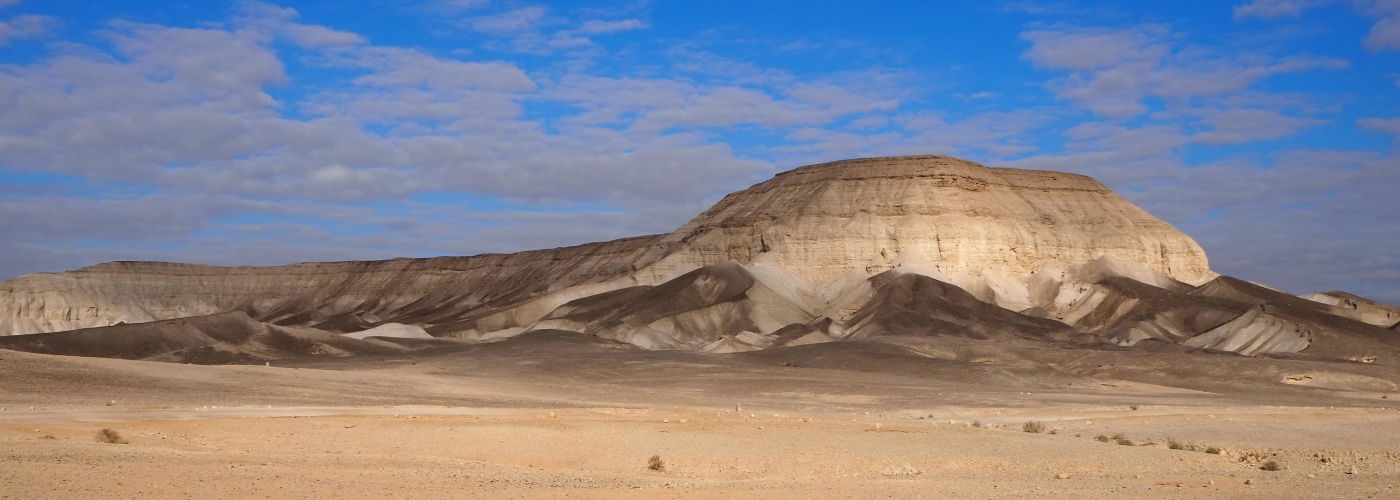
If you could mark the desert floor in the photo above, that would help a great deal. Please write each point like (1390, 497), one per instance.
(577, 422)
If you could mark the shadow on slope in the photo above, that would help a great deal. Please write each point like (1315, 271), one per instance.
(719, 308)
(223, 338)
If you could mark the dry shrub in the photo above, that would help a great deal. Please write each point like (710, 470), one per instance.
(109, 436)
(655, 463)
(1102, 438)
(1033, 427)
(1271, 466)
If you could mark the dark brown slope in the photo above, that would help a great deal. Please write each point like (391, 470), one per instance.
(1127, 311)
(718, 308)
(215, 339)
(913, 304)
(1330, 335)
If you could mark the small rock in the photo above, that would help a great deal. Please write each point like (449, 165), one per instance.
(1352, 470)
(903, 470)
(1248, 481)
(1310, 476)
(1061, 476)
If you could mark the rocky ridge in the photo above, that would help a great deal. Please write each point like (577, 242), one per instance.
(924, 246)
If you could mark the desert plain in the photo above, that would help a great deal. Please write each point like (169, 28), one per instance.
(549, 416)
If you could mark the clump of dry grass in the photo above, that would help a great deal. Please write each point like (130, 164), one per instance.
(109, 436)
(1033, 427)
(655, 463)
(1102, 438)
(1178, 445)
(1122, 441)
(977, 424)
(1213, 450)
(1271, 466)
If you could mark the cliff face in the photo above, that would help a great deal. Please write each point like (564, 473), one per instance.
(984, 229)
(810, 233)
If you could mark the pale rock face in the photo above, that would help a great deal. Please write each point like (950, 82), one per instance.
(392, 330)
(984, 229)
(1358, 308)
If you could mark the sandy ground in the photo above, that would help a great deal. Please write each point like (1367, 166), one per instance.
(603, 452)
(574, 426)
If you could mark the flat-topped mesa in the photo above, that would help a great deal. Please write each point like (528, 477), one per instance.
(961, 221)
(809, 233)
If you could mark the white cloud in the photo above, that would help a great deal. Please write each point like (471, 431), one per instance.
(604, 27)
(1236, 126)
(1383, 35)
(1112, 71)
(1387, 125)
(396, 67)
(276, 21)
(511, 21)
(27, 26)
(1094, 48)
(458, 5)
(1273, 9)
(312, 36)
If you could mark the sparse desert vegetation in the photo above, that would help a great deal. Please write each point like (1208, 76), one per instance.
(1033, 427)
(110, 436)
(655, 463)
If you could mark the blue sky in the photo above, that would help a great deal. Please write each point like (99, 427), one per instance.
(268, 133)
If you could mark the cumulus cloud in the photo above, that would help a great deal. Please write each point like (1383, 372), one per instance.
(1383, 35)
(395, 152)
(1112, 70)
(276, 21)
(187, 113)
